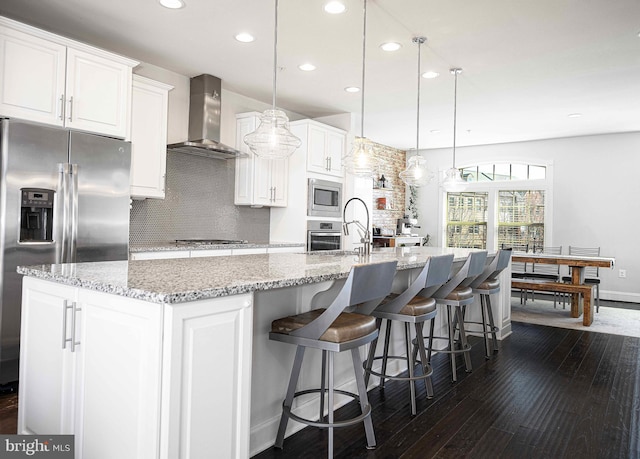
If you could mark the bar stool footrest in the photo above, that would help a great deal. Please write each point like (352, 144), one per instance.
(326, 425)
(399, 378)
(466, 348)
(488, 328)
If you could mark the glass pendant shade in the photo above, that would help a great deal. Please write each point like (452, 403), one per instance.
(416, 173)
(453, 180)
(272, 139)
(361, 160)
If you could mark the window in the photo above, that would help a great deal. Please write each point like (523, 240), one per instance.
(521, 218)
(467, 220)
(502, 205)
(503, 172)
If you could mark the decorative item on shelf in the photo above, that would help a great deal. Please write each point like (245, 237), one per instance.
(453, 179)
(416, 173)
(272, 138)
(381, 203)
(383, 181)
(361, 161)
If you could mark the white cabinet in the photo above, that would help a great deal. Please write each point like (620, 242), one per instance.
(143, 380)
(258, 181)
(324, 146)
(90, 365)
(149, 105)
(54, 80)
(48, 385)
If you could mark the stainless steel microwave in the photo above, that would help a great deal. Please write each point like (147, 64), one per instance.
(324, 198)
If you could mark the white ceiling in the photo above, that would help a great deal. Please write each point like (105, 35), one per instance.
(527, 64)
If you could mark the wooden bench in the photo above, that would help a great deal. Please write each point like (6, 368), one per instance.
(575, 289)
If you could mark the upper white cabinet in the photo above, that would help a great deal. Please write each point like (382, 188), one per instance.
(324, 146)
(149, 102)
(258, 181)
(53, 80)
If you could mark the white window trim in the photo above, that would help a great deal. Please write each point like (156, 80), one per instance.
(492, 188)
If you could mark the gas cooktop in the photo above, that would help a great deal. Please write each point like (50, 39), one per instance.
(208, 241)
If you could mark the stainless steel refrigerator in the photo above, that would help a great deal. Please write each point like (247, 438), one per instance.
(64, 198)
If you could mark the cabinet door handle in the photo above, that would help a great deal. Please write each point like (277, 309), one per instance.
(61, 116)
(274, 194)
(329, 163)
(65, 306)
(74, 319)
(164, 182)
(71, 108)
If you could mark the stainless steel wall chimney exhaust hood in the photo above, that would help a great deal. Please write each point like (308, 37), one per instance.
(204, 121)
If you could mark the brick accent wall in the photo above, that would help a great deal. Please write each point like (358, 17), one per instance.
(392, 162)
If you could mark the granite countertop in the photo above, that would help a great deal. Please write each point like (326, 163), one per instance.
(172, 246)
(189, 279)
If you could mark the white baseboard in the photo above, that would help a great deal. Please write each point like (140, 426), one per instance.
(628, 297)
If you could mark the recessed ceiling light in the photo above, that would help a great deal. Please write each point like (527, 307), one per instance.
(245, 37)
(430, 74)
(574, 115)
(307, 67)
(335, 7)
(435, 131)
(391, 46)
(173, 4)
(352, 89)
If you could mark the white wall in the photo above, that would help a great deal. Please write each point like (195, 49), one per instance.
(595, 196)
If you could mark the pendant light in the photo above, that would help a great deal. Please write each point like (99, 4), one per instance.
(416, 173)
(361, 160)
(453, 179)
(272, 139)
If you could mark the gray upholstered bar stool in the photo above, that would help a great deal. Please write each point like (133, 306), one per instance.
(333, 330)
(413, 306)
(454, 294)
(485, 285)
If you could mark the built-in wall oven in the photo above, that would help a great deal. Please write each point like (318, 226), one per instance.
(323, 236)
(324, 198)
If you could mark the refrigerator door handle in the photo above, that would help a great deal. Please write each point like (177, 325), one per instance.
(73, 224)
(62, 214)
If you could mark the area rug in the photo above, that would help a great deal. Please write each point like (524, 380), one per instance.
(609, 320)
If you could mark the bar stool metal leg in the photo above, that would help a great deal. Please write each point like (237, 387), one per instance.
(492, 324)
(452, 344)
(385, 353)
(330, 401)
(412, 383)
(463, 340)
(364, 399)
(323, 384)
(426, 365)
(291, 390)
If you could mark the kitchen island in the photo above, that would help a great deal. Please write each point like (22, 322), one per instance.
(171, 358)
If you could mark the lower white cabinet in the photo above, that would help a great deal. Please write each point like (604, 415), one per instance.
(258, 181)
(133, 379)
(149, 105)
(90, 365)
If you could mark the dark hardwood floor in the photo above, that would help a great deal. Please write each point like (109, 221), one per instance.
(549, 393)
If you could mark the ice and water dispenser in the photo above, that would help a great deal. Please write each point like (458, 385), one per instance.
(36, 215)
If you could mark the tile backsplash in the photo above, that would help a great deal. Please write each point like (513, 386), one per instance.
(198, 204)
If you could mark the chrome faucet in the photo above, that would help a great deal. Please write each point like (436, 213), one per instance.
(365, 234)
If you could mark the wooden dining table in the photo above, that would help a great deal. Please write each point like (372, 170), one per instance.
(578, 264)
